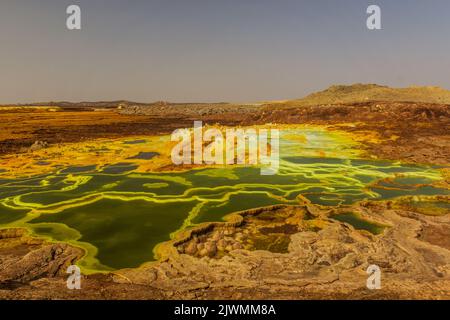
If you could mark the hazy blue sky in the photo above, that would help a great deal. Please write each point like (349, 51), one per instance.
(210, 50)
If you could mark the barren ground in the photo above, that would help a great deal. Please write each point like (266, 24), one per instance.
(327, 263)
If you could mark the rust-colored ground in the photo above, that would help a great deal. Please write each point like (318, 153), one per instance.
(19, 130)
(413, 132)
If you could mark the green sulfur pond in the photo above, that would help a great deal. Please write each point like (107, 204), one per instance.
(118, 216)
(358, 223)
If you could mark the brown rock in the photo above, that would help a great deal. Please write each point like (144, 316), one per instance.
(191, 248)
(211, 249)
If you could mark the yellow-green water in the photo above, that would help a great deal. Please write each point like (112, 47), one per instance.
(119, 216)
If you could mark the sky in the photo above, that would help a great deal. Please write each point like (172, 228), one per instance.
(216, 50)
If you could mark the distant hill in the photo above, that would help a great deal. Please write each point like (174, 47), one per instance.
(337, 94)
(78, 105)
(106, 104)
(341, 94)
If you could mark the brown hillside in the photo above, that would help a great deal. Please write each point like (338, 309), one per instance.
(343, 94)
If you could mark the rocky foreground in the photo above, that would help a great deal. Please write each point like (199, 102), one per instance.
(283, 252)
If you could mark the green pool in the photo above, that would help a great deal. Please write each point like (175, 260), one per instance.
(119, 216)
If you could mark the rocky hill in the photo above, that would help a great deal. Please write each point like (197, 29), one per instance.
(343, 94)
